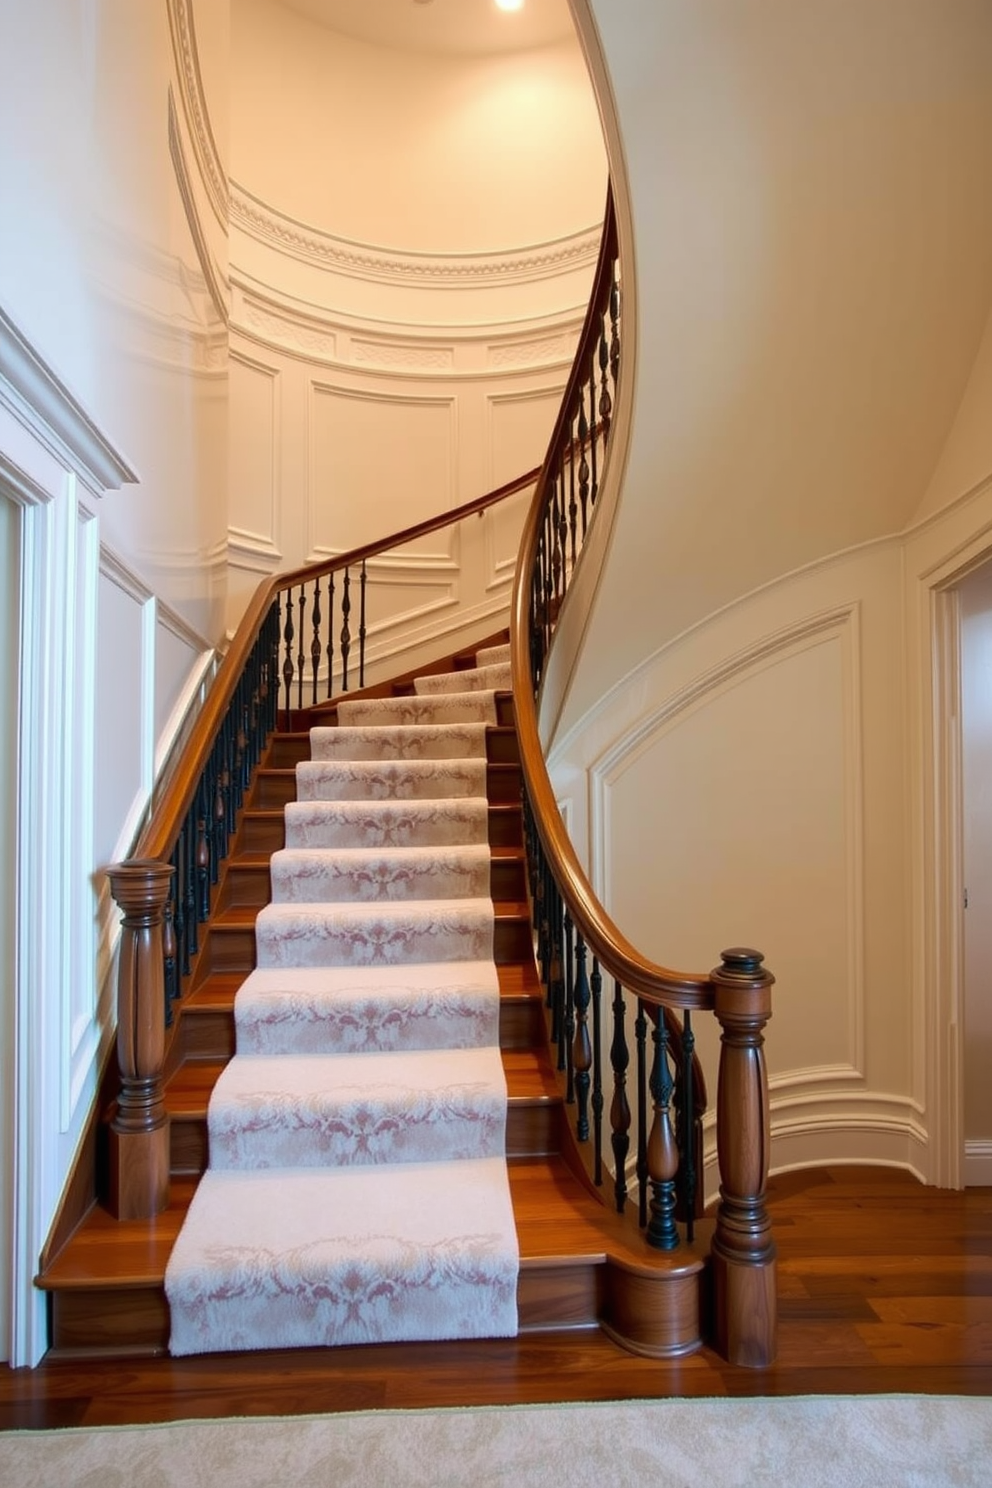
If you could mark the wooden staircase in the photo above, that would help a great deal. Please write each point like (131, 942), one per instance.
(581, 1264)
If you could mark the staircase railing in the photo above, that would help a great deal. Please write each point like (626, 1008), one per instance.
(302, 640)
(579, 945)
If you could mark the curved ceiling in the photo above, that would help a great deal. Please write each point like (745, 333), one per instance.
(443, 27)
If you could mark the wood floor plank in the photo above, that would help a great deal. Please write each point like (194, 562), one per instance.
(929, 1332)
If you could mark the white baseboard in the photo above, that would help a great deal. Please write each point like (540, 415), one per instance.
(978, 1164)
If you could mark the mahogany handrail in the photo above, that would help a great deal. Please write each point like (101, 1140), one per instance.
(159, 833)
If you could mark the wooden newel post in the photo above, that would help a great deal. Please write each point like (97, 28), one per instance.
(743, 1248)
(139, 1131)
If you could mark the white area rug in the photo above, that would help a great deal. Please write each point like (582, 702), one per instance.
(357, 1189)
(808, 1442)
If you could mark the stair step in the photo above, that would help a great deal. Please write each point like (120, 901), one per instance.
(533, 1118)
(579, 1265)
(247, 881)
(263, 830)
(274, 788)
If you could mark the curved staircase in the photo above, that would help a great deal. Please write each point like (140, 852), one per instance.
(579, 1264)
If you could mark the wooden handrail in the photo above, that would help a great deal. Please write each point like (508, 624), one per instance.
(655, 983)
(159, 834)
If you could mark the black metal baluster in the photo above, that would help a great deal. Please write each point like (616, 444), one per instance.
(583, 462)
(300, 658)
(316, 647)
(596, 988)
(330, 635)
(287, 667)
(581, 1046)
(686, 1127)
(620, 1106)
(640, 1042)
(663, 1156)
(593, 438)
(573, 505)
(345, 628)
(189, 878)
(361, 628)
(568, 996)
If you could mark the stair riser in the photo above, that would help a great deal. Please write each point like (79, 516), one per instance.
(276, 788)
(531, 1131)
(211, 1035)
(230, 948)
(287, 750)
(248, 886)
(267, 834)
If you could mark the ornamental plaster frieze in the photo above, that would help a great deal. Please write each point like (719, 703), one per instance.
(354, 260)
(465, 352)
(190, 81)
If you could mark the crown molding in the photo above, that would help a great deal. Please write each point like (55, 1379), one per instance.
(369, 261)
(43, 404)
(217, 285)
(191, 93)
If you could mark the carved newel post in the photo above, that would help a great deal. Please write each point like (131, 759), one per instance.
(743, 1247)
(139, 1131)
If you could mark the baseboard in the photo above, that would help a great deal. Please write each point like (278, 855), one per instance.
(978, 1164)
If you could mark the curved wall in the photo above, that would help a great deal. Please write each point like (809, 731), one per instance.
(754, 746)
(412, 240)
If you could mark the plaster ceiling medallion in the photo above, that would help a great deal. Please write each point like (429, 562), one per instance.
(443, 27)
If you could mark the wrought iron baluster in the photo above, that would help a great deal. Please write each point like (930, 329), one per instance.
(583, 461)
(286, 597)
(581, 1045)
(330, 635)
(685, 1126)
(568, 997)
(345, 628)
(640, 1043)
(300, 657)
(315, 643)
(361, 627)
(596, 989)
(663, 1155)
(620, 1106)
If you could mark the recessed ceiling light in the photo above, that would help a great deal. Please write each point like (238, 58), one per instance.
(509, 4)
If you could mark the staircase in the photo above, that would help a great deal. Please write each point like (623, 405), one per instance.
(580, 1264)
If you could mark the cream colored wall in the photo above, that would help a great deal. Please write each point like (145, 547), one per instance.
(421, 153)
(412, 246)
(755, 748)
(812, 246)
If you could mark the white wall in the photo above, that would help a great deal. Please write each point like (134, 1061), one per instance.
(755, 747)
(113, 439)
(9, 645)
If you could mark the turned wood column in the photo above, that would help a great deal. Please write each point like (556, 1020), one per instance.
(139, 1131)
(743, 1248)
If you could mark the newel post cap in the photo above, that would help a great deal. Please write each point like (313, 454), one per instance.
(743, 985)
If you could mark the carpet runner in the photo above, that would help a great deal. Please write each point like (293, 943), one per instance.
(356, 1189)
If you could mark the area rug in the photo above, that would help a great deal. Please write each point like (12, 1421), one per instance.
(356, 1189)
(807, 1442)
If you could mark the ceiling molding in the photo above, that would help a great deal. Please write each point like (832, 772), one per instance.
(355, 260)
(195, 107)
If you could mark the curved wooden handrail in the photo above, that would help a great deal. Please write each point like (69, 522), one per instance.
(656, 984)
(159, 834)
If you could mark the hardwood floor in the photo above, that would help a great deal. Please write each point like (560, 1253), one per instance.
(884, 1286)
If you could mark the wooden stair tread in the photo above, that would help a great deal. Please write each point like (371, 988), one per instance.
(529, 1077)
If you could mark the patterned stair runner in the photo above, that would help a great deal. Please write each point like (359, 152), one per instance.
(357, 1189)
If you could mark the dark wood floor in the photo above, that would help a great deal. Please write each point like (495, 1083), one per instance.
(884, 1286)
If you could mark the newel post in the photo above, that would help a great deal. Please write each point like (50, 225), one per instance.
(139, 1131)
(743, 1248)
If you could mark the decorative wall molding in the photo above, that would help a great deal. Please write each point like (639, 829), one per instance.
(556, 349)
(369, 261)
(841, 624)
(220, 290)
(37, 397)
(977, 1164)
(191, 92)
(407, 356)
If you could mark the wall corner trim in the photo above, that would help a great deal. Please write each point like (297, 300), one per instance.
(41, 401)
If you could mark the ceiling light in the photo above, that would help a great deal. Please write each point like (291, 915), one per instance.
(509, 4)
